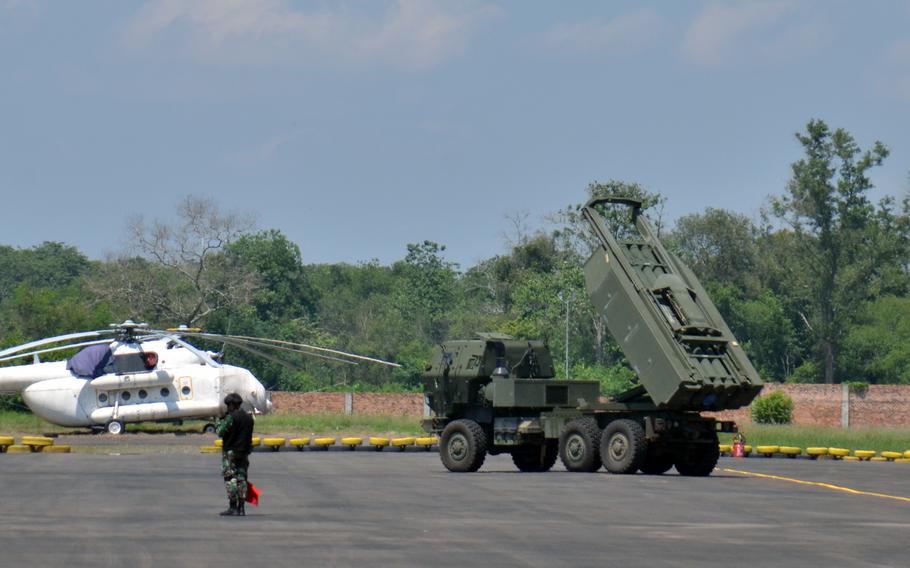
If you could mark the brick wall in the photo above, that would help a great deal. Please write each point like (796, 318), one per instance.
(390, 404)
(308, 402)
(813, 405)
(822, 405)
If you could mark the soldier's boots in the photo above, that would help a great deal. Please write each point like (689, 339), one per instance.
(230, 511)
(241, 511)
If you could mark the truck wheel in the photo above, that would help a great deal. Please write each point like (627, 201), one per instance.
(578, 445)
(533, 459)
(114, 427)
(463, 446)
(623, 446)
(698, 460)
(656, 464)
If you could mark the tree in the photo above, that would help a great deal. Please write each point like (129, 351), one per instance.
(877, 348)
(719, 246)
(573, 233)
(181, 274)
(284, 291)
(840, 233)
(50, 264)
(427, 288)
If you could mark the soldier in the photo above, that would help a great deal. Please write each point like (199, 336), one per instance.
(236, 431)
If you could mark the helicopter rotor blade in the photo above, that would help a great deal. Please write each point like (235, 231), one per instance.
(52, 349)
(274, 343)
(57, 339)
(268, 357)
(203, 356)
(239, 342)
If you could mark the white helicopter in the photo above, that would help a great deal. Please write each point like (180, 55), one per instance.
(130, 373)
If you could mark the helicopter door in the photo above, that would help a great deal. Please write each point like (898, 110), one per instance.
(185, 388)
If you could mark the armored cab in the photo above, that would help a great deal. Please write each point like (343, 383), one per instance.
(472, 377)
(668, 328)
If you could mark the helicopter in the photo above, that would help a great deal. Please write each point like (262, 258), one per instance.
(130, 373)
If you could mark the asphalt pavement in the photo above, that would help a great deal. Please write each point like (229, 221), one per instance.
(405, 509)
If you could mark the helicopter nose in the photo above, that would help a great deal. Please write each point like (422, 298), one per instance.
(60, 401)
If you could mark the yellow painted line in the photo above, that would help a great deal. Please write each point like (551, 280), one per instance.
(819, 484)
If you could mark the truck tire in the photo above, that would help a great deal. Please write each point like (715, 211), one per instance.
(698, 460)
(579, 445)
(535, 459)
(623, 446)
(463, 446)
(656, 463)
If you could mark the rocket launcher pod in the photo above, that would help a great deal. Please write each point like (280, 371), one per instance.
(684, 354)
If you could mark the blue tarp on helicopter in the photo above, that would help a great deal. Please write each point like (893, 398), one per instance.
(90, 362)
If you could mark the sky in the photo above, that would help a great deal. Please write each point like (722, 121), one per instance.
(358, 127)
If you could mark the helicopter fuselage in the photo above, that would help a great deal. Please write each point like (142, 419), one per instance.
(148, 381)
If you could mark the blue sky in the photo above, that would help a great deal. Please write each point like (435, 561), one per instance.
(358, 127)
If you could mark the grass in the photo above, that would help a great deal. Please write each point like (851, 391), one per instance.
(14, 423)
(878, 439)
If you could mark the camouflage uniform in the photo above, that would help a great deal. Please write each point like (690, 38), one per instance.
(234, 466)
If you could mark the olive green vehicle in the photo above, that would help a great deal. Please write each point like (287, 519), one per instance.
(496, 394)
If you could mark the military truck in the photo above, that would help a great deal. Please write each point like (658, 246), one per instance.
(496, 394)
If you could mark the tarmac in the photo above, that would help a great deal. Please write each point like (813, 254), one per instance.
(405, 509)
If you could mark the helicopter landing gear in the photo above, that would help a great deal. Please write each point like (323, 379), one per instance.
(114, 427)
(208, 428)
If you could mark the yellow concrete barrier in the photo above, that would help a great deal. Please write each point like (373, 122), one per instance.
(725, 448)
(36, 441)
(878, 459)
(902, 460)
(273, 443)
(56, 450)
(18, 449)
(219, 443)
(790, 451)
(892, 455)
(300, 443)
(747, 449)
(378, 443)
(850, 459)
(426, 442)
(7, 440)
(402, 443)
(210, 449)
(323, 443)
(256, 441)
(838, 453)
(815, 453)
(351, 442)
(907, 454)
(767, 451)
(864, 454)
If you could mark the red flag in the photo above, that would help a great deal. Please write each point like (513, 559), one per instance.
(252, 494)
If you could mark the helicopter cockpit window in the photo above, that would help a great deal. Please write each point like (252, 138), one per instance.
(132, 363)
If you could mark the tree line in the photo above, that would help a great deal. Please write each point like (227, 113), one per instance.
(816, 289)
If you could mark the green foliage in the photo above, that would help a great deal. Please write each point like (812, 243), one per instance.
(12, 403)
(807, 373)
(878, 439)
(427, 291)
(762, 327)
(719, 246)
(846, 243)
(614, 380)
(284, 290)
(50, 265)
(774, 408)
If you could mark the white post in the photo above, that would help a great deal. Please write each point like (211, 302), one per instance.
(845, 406)
(349, 403)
